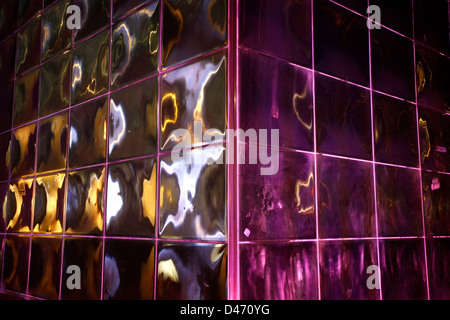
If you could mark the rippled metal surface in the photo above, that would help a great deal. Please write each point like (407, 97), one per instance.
(436, 203)
(345, 198)
(261, 30)
(191, 271)
(90, 68)
(278, 271)
(276, 95)
(84, 211)
(398, 202)
(122, 7)
(434, 130)
(341, 45)
(19, 204)
(45, 267)
(402, 269)
(191, 28)
(279, 206)
(23, 151)
(135, 46)
(392, 64)
(28, 46)
(15, 269)
(343, 266)
(95, 14)
(6, 97)
(192, 196)
(56, 37)
(26, 9)
(131, 206)
(7, 59)
(55, 85)
(395, 131)
(49, 204)
(5, 153)
(87, 141)
(433, 78)
(87, 254)
(129, 274)
(133, 121)
(196, 92)
(52, 143)
(26, 98)
(438, 268)
(343, 119)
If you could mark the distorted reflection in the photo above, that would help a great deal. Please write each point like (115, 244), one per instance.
(196, 92)
(118, 126)
(23, 151)
(84, 213)
(49, 203)
(52, 143)
(18, 206)
(192, 196)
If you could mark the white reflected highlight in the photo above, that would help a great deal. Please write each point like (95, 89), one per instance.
(119, 125)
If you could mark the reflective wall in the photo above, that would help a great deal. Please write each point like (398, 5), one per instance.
(89, 124)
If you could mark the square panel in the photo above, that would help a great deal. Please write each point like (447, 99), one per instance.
(434, 129)
(5, 152)
(23, 151)
(343, 269)
(191, 28)
(6, 105)
(7, 59)
(341, 45)
(19, 206)
(436, 203)
(433, 77)
(192, 199)
(90, 67)
(431, 24)
(278, 271)
(26, 98)
(276, 95)
(45, 267)
(402, 269)
(95, 14)
(398, 202)
(56, 36)
(395, 131)
(129, 274)
(279, 28)
(15, 268)
(133, 121)
(191, 271)
(49, 204)
(396, 15)
(87, 142)
(52, 143)
(196, 92)
(131, 206)
(84, 209)
(343, 119)
(392, 63)
(29, 46)
(135, 46)
(279, 206)
(438, 268)
(345, 198)
(85, 253)
(55, 85)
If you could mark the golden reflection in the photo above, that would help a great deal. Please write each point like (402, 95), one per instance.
(22, 135)
(420, 77)
(76, 73)
(148, 198)
(424, 127)
(53, 186)
(168, 270)
(46, 286)
(177, 19)
(220, 27)
(147, 276)
(16, 221)
(296, 97)
(175, 104)
(57, 156)
(298, 185)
